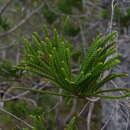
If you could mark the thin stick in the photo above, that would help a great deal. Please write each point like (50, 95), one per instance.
(83, 109)
(17, 118)
(112, 15)
(91, 107)
(5, 6)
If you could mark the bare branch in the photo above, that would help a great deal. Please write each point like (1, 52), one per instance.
(83, 109)
(91, 107)
(21, 22)
(17, 118)
(5, 7)
(20, 95)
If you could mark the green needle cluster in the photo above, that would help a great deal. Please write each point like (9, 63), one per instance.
(51, 58)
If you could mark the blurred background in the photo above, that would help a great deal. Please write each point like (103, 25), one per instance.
(79, 21)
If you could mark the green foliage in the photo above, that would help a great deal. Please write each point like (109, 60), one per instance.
(20, 108)
(23, 110)
(72, 124)
(119, 16)
(125, 19)
(4, 23)
(49, 15)
(66, 6)
(38, 123)
(8, 71)
(104, 13)
(25, 129)
(51, 59)
(70, 28)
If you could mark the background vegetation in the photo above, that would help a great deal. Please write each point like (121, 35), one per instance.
(78, 23)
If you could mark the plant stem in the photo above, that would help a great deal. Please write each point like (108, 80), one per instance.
(43, 92)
